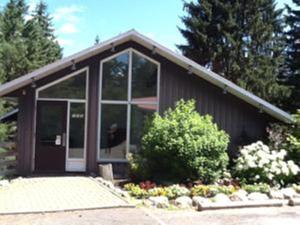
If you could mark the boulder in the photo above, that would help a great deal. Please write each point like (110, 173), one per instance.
(274, 194)
(257, 196)
(160, 201)
(4, 183)
(221, 198)
(289, 193)
(198, 200)
(183, 202)
(240, 195)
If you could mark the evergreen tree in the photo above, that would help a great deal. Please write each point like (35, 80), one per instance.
(293, 55)
(239, 39)
(13, 61)
(42, 47)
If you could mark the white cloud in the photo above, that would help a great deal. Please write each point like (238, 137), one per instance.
(68, 28)
(67, 13)
(68, 17)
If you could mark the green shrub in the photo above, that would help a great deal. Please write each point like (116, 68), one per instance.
(262, 188)
(209, 191)
(293, 140)
(135, 190)
(182, 145)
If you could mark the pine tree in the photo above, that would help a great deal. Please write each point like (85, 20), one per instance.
(41, 42)
(239, 39)
(293, 55)
(13, 60)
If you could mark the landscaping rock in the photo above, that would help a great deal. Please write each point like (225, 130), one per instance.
(276, 194)
(221, 198)
(240, 195)
(160, 201)
(147, 202)
(183, 202)
(100, 179)
(289, 193)
(4, 183)
(197, 200)
(121, 192)
(256, 196)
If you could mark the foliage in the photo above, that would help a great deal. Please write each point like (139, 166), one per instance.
(293, 55)
(147, 185)
(171, 192)
(175, 191)
(262, 188)
(293, 140)
(135, 190)
(277, 135)
(25, 45)
(209, 191)
(257, 163)
(182, 145)
(241, 40)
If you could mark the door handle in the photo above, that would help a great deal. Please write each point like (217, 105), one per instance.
(64, 141)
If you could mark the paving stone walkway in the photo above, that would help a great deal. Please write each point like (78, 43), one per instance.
(48, 194)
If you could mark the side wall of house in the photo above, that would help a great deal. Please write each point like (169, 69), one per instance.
(240, 120)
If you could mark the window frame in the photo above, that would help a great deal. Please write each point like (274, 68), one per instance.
(127, 102)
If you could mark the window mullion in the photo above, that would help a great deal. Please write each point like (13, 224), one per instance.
(129, 102)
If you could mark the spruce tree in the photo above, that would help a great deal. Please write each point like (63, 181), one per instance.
(41, 42)
(239, 39)
(13, 60)
(293, 55)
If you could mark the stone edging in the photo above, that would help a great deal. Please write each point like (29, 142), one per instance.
(242, 204)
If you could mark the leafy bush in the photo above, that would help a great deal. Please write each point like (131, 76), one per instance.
(209, 191)
(176, 191)
(182, 145)
(135, 190)
(257, 163)
(262, 188)
(293, 140)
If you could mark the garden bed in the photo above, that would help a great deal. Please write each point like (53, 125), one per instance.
(206, 197)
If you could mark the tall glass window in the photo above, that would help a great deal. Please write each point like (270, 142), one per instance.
(129, 96)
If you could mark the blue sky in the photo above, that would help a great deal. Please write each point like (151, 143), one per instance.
(77, 22)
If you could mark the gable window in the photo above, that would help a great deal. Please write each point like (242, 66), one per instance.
(128, 96)
(73, 87)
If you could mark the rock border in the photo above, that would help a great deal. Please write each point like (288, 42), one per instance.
(242, 204)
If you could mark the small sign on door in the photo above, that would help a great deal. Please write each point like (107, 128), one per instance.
(58, 140)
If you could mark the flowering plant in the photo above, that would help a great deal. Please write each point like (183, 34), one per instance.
(258, 163)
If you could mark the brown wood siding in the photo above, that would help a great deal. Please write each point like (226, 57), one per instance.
(25, 132)
(229, 112)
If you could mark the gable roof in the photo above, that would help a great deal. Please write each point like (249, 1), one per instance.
(181, 60)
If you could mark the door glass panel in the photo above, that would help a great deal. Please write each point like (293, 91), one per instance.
(139, 115)
(71, 88)
(76, 130)
(144, 79)
(51, 125)
(115, 78)
(113, 131)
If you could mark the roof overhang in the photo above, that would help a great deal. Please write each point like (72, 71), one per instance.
(179, 59)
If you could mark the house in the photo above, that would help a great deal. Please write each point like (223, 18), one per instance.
(90, 108)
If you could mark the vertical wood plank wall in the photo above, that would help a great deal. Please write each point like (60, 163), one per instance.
(230, 113)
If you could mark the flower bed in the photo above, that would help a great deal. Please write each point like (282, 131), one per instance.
(183, 197)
